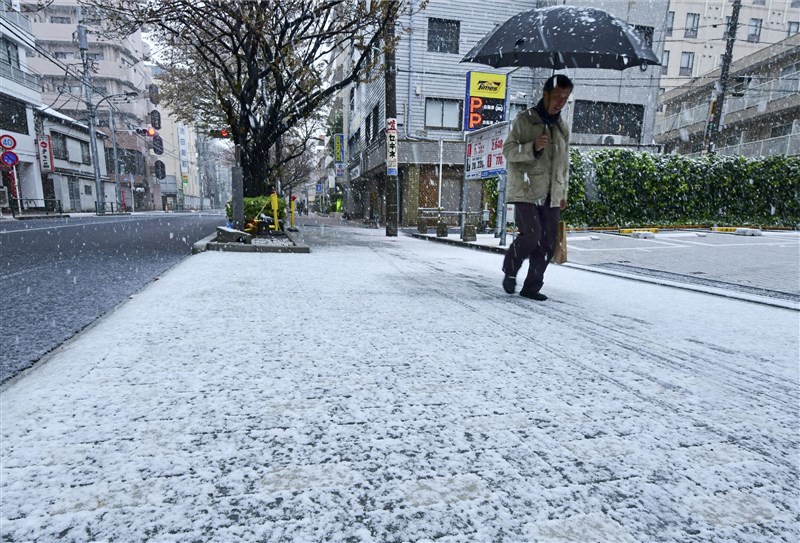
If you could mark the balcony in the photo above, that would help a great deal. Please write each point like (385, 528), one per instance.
(757, 96)
(16, 18)
(761, 95)
(788, 145)
(7, 71)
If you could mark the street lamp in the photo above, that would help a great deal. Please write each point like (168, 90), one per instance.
(130, 94)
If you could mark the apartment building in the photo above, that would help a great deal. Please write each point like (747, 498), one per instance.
(607, 107)
(696, 30)
(761, 111)
(123, 93)
(19, 96)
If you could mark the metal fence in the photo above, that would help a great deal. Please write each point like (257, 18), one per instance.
(31, 206)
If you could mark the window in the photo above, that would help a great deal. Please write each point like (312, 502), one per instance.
(64, 55)
(754, 30)
(442, 113)
(59, 146)
(692, 24)
(352, 100)
(443, 35)
(95, 56)
(664, 62)
(727, 30)
(87, 190)
(670, 23)
(60, 20)
(514, 110)
(687, 63)
(646, 33)
(368, 128)
(9, 54)
(376, 124)
(608, 118)
(782, 130)
(86, 156)
(354, 144)
(759, 2)
(794, 28)
(13, 115)
(795, 4)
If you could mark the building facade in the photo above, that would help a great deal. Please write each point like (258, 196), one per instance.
(123, 94)
(696, 30)
(607, 107)
(760, 112)
(19, 96)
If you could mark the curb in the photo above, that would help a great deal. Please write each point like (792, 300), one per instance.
(460, 243)
(208, 244)
(714, 291)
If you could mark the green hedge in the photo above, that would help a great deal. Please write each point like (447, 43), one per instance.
(253, 205)
(618, 187)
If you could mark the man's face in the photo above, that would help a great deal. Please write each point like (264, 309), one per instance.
(556, 99)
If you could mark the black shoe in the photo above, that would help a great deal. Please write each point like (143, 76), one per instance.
(509, 284)
(538, 296)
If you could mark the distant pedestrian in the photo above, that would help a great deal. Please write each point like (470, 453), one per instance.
(537, 156)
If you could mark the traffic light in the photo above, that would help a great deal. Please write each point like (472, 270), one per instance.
(160, 169)
(219, 133)
(147, 131)
(158, 145)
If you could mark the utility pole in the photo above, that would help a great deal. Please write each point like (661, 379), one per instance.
(718, 97)
(117, 187)
(83, 45)
(392, 187)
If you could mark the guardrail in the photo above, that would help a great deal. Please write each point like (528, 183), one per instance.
(33, 206)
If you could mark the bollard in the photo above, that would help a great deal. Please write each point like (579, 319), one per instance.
(422, 226)
(273, 198)
(441, 229)
(291, 208)
(560, 255)
(469, 233)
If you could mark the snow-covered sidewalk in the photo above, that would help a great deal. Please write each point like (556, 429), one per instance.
(386, 389)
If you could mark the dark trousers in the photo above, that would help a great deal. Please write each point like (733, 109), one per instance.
(538, 233)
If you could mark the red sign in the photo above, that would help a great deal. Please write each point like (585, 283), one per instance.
(45, 153)
(7, 141)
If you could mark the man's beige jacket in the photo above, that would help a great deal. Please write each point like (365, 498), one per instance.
(532, 177)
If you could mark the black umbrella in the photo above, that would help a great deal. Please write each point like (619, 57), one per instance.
(563, 37)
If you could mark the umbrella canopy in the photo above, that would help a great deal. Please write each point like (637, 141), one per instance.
(563, 37)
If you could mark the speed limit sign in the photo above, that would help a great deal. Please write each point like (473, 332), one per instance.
(7, 141)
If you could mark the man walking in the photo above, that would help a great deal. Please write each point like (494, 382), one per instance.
(537, 153)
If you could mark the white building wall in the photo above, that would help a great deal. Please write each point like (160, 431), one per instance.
(19, 85)
(709, 44)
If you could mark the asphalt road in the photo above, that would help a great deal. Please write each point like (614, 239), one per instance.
(57, 276)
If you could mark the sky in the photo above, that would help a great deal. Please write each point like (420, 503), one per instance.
(387, 389)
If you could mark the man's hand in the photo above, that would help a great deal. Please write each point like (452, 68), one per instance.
(563, 205)
(541, 142)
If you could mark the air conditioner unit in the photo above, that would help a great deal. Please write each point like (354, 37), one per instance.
(611, 139)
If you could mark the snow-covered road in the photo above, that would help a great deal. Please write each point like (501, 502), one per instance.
(386, 389)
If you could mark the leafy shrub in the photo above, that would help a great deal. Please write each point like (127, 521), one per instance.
(618, 187)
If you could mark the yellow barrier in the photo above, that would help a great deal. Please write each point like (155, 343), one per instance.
(629, 231)
(724, 229)
(291, 208)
